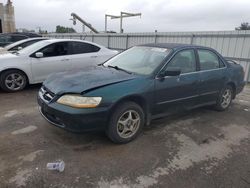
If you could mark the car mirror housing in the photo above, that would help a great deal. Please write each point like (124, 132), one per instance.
(171, 72)
(19, 48)
(39, 54)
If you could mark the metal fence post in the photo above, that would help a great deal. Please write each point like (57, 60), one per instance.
(192, 39)
(127, 41)
(92, 39)
(108, 41)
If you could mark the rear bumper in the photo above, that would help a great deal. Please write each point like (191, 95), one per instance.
(74, 120)
(240, 87)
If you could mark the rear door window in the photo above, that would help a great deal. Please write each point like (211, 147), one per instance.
(209, 60)
(82, 47)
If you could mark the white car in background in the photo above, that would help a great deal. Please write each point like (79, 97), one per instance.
(21, 44)
(36, 62)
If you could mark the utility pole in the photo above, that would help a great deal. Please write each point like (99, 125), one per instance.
(121, 30)
(106, 20)
(122, 15)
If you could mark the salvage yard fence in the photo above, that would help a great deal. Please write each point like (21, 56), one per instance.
(233, 45)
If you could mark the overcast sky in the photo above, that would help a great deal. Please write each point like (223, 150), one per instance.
(161, 15)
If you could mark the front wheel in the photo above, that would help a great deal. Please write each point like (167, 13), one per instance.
(224, 99)
(13, 80)
(126, 123)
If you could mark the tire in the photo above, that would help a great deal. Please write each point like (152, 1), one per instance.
(13, 81)
(126, 123)
(225, 99)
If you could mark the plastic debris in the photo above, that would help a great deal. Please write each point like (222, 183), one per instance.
(59, 166)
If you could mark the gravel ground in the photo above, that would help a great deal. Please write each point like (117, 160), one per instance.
(200, 148)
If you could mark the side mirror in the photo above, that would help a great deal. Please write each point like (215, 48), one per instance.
(39, 54)
(170, 72)
(173, 72)
(19, 48)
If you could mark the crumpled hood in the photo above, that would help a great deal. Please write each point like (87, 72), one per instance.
(79, 81)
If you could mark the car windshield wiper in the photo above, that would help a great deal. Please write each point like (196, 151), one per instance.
(100, 64)
(118, 68)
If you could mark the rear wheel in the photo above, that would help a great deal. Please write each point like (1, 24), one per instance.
(13, 80)
(224, 99)
(126, 123)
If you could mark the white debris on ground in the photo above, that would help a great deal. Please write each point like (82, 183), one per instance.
(31, 156)
(21, 177)
(11, 113)
(28, 129)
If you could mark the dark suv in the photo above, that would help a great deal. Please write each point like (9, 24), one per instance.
(8, 38)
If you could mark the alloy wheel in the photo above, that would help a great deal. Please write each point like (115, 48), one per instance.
(14, 81)
(128, 124)
(226, 98)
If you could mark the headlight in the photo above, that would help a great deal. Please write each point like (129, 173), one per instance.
(78, 101)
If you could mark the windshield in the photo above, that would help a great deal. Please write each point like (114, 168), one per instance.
(140, 59)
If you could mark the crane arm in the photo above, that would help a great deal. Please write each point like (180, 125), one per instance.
(75, 16)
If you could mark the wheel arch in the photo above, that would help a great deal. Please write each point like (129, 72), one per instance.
(140, 100)
(233, 85)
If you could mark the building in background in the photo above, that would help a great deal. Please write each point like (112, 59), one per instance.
(7, 18)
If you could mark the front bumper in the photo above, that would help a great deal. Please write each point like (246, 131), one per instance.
(74, 119)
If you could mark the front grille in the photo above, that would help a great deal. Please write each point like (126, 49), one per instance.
(46, 95)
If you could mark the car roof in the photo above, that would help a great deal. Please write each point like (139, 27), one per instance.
(33, 38)
(171, 45)
(23, 41)
(43, 43)
(65, 40)
(31, 35)
(28, 35)
(74, 40)
(12, 34)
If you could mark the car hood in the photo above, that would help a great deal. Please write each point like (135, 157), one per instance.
(80, 81)
(3, 52)
(6, 55)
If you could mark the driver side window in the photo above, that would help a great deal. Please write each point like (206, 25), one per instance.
(56, 49)
(184, 60)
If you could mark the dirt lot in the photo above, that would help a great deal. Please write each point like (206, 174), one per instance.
(201, 148)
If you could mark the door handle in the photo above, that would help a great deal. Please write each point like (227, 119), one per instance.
(94, 56)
